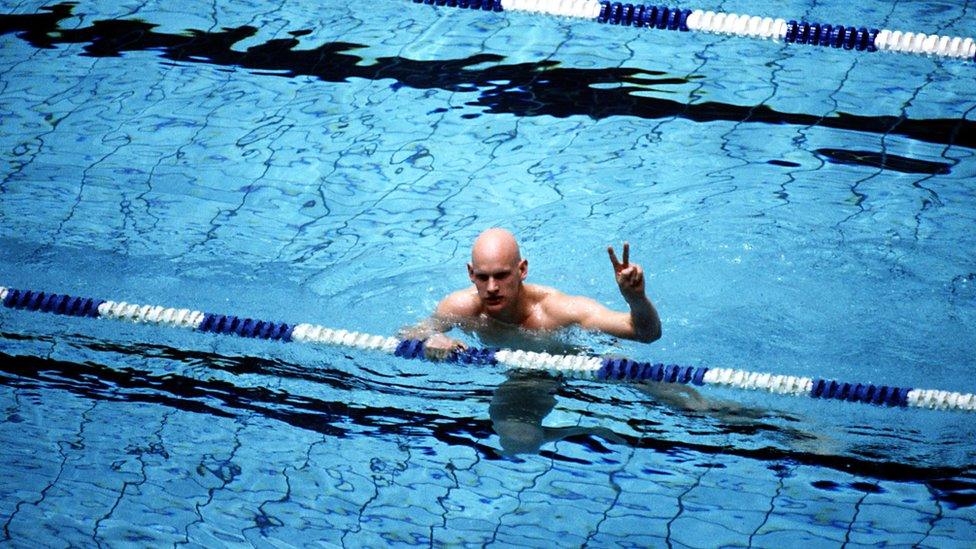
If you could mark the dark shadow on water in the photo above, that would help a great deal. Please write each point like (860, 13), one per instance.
(520, 89)
(885, 161)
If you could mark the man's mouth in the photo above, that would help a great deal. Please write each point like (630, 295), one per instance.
(493, 300)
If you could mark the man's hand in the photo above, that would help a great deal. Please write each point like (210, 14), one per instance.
(630, 276)
(440, 347)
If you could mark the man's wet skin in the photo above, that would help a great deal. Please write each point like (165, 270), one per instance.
(499, 293)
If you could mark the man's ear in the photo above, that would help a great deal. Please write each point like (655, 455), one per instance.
(471, 272)
(523, 268)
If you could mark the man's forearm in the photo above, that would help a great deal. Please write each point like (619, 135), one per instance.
(644, 319)
(425, 329)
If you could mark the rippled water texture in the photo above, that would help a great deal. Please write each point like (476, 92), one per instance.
(798, 210)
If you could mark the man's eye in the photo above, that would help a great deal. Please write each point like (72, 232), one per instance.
(483, 278)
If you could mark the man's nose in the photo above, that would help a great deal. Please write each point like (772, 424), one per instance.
(492, 284)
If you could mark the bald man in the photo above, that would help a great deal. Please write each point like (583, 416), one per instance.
(499, 292)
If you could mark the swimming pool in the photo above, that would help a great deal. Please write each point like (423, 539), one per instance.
(801, 211)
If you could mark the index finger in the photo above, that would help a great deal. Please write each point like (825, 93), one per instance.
(626, 253)
(613, 258)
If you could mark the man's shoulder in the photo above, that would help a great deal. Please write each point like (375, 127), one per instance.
(552, 300)
(460, 304)
(563, 307)
(548, 296)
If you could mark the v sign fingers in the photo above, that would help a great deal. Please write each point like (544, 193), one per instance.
(617, 264)
(630, 276)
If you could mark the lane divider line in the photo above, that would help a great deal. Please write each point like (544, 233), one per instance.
(859, 38)
(575, 366)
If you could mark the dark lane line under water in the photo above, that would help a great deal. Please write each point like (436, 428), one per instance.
(522, 89)
(954, 486)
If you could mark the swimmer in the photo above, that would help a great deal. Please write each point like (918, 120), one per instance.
(500, 296)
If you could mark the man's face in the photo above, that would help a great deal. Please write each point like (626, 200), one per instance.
(498, 280)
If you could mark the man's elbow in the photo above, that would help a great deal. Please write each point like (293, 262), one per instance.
(649, 336)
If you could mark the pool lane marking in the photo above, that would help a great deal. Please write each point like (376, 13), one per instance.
(576, 366)
(860, 38)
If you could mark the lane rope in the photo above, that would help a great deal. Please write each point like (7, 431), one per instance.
(847, 37)
(575, 366)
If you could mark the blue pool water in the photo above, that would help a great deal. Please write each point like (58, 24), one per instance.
(798, 210)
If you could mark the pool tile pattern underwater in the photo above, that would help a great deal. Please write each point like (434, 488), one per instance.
(251, 161)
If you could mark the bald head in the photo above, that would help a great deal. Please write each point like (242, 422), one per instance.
(495, 246)
(497, 271)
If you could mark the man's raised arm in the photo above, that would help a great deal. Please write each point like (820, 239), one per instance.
(641, 324)
(630, 279)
